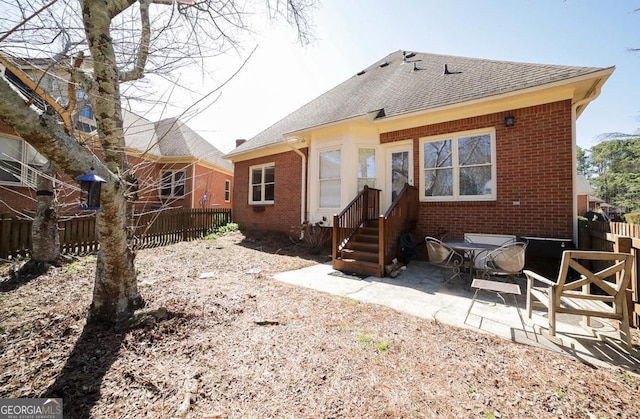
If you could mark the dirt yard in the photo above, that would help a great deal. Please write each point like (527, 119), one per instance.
(235, 343)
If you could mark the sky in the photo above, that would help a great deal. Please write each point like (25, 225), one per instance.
(350, 35)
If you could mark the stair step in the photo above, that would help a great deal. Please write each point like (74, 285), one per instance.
(365, 246)
(371, 223)
(368, 238)
(358, 255)
(350, 265)
(369, 231)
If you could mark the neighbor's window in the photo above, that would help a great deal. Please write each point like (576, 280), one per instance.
(459, 167)
(330, 179)
(227, 191)
(19, 162)
(366, 168)
(173, 184)
(85, 120)
(263, 182)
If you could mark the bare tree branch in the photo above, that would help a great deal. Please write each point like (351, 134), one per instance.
(38, 130)
(115, 7)
(26, 20)
(124, 40)
(143, 46)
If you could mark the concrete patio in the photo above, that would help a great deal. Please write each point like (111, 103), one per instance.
(420, 291)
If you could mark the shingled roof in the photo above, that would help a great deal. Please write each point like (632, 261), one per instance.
(404, 82)
(177, 139)
(169, 138)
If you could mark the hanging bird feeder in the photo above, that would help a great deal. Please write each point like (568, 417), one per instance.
(90, 185)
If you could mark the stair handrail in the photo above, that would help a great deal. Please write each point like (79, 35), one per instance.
(365, 206)
(400, 218)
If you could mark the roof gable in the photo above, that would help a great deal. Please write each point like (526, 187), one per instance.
(402, 83)
(176, 139)
(140, 133)
(169, 138)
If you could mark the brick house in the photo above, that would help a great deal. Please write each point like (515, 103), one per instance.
(174, 166)
(489, 147)
(586, 195)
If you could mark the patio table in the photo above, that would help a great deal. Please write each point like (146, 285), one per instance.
(471, 251)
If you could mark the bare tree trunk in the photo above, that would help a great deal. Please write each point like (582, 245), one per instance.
(115, 294)
(45, 239)
(44, 234)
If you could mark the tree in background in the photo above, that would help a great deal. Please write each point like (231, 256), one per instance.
(124, 40)
(616, 165)
(584, 162)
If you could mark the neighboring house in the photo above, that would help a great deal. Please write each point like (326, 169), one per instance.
(489, 145)
(174, 166)
(586, 195)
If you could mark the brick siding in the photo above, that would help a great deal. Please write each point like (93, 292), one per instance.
(534, 167)
(23, 198)
(284, 214)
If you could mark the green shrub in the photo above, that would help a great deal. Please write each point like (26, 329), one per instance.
(632, 218)
(228, 228)
(222, 230)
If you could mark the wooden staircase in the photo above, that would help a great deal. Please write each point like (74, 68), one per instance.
(364, 241)
(361, 253)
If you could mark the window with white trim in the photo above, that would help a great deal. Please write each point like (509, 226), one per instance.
(19, 162)
(366, 168)
(172, 184)
(459, 167)
(262, 184)
(329, 176)
(227, 190)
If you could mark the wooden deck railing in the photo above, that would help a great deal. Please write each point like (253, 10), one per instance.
(400, 218)
(621, 237)
(78, 234)
(365, 206)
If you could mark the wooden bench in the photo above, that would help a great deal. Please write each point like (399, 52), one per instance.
(572, 291)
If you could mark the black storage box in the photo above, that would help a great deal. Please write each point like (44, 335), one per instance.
(544, 255)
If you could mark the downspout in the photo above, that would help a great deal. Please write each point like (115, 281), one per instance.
(303, 180)
(591, 95)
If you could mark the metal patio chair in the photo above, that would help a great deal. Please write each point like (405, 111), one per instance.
(507, 260)
(445, 257)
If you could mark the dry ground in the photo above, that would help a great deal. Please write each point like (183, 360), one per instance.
(239, 344)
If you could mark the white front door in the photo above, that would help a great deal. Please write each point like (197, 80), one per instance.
(399, 170)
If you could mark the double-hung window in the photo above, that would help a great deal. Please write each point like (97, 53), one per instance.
(459, 167)
(330, 163)
(173, 184)
(263, 181)
(19, 162)
(227, 190)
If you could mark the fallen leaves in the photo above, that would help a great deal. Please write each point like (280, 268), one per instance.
(215, 341)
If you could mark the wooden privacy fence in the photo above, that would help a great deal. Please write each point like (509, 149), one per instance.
(618, 237)
(78, 234)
